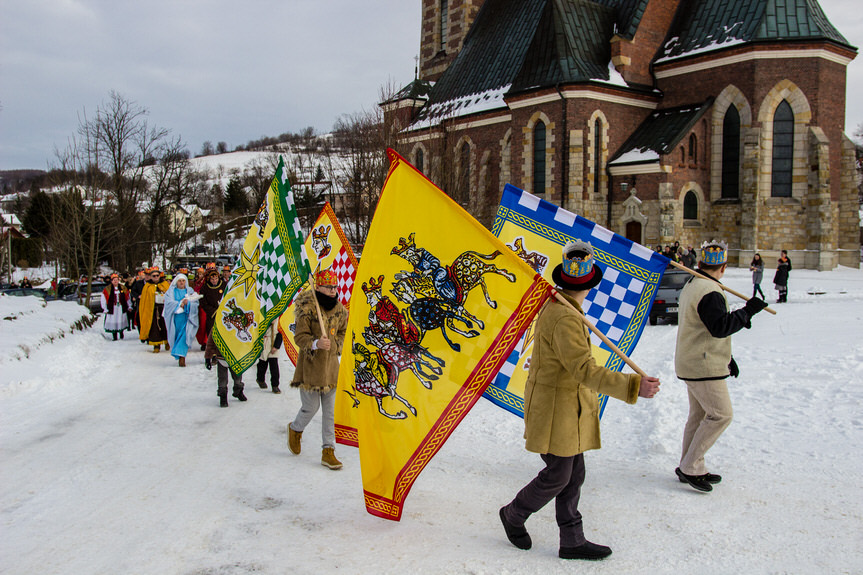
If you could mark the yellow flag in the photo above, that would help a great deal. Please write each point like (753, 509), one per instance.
(441, 305)
(327, 248)
(271, 268)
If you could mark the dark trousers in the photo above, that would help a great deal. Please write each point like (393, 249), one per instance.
(561, 480)
(756, 289)
(223, 371)
(273, 362)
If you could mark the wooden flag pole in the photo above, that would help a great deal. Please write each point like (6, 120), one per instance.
(599, 334)
(317, 306)
(723, 286)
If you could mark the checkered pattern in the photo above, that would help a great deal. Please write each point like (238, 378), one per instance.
(347, 275)
(273, 277)
(611, 305)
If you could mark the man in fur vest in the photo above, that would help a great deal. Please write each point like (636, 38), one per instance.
(561, 408)
(317, 369)
(703, 360)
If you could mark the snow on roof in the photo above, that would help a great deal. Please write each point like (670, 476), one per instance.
(11, 219)
(463, 106)
(709, 47)
(637, 156)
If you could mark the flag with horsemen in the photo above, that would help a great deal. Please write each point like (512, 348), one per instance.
(439, 307)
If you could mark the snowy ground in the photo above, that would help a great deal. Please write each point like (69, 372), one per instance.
(114, 460)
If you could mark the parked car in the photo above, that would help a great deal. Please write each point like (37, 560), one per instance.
(80, 294)
(667, 295)
(22, 291)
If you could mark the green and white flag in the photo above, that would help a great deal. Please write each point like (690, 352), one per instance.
(271, 268)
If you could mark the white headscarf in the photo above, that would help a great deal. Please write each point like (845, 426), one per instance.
(174, 283)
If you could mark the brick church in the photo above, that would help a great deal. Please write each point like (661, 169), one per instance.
(662, 120)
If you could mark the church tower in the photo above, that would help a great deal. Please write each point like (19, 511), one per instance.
(445, 25)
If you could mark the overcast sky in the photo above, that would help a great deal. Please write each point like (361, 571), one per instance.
(224, 70)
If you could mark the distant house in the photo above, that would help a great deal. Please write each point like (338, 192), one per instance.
(185, 217)
(662, 120)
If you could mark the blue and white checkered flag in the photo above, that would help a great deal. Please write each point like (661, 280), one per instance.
(619, 306)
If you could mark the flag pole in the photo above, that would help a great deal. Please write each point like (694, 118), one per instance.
(599, 334)
(723, 286)
(317, 306)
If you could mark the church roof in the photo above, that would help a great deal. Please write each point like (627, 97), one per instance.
(516, 45)
(707, 25)
(628, 15)
(659, 134)
(416, 90)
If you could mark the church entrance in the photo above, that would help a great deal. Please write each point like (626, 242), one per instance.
(633, 231)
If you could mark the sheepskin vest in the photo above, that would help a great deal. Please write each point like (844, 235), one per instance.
(699, 355)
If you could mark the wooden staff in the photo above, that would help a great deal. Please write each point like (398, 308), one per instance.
(601, 335)
(723, 286)
(318, 307)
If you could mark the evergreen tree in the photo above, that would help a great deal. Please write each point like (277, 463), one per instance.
(236, 201)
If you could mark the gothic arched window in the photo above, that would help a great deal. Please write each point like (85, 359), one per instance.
(690, 206)
(420, 159)
(731, 153)
(597, 156)
(693, 149)
(464, 181)
(783, 150)
(539, 158)
(444, 28)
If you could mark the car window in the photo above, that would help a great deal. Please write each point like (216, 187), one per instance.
(674, 281)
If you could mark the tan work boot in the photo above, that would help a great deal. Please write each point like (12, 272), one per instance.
(328, 459)
(294, 438)
(156, 348)
(182, 362)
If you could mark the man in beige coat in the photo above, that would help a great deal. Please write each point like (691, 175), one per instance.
(317, 369)
(561, 408)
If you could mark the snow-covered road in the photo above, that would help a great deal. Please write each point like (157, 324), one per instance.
(114, 460)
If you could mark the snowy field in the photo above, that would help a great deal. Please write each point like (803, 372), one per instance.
(114, 460)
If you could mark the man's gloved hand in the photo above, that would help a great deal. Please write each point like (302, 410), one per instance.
(733, 369)
(208, 362)
(754, 305)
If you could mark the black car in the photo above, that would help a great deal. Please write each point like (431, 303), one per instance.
(667, 295)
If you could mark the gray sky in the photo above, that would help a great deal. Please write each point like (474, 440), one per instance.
(223, 70)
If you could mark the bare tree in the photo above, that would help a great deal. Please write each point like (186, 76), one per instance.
(79, 217)
(125, 142)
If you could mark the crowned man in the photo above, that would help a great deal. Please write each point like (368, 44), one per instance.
(153, 329)
(319, 347)
(702, 359)
(561, 408)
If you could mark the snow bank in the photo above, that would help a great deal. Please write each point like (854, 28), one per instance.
(27, 323)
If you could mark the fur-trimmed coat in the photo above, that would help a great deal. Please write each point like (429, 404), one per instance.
(317, 369)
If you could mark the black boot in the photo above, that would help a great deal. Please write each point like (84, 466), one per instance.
(587, 550)
(238, 393)
(121, 335)
(115, 336)
(516, 534)
(223, 399)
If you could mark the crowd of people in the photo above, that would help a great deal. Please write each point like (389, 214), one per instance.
(560, 399)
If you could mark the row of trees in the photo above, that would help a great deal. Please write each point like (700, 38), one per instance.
(110, 187)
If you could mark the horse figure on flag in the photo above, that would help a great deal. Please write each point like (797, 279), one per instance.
(239, 320)
(376, 378)
(431, 280)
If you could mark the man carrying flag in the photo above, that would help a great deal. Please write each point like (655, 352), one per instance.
(561, 408)
(271, 268)
(320, 327)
